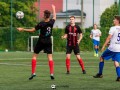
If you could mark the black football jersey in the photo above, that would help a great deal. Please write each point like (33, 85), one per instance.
(45, 28)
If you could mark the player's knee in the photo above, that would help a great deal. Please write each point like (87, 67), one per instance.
(78, 57)
(67, 57)
(50, 58)
(34, 58)
(96, 47)
(101, 59)
(116, 64)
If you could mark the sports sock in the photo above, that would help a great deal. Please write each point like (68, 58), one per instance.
(96, 51)
(81, 63)
(68, 64)
(118, 71)
(51, 66)
(101, 65)
(33, 66)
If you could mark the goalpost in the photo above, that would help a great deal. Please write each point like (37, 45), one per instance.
(32, 40)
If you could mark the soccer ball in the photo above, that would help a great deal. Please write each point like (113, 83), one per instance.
(19, 15)
(53, 86)
(6, 50)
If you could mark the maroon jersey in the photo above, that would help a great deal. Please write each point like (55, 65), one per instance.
(72, 34)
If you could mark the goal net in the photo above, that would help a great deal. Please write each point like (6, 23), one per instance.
(32, 40)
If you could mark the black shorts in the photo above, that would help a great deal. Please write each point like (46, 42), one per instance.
(74, 48)
(43, 44)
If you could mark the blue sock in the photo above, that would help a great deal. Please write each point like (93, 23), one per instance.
(101, 65)
(96, 51)
(118, 71)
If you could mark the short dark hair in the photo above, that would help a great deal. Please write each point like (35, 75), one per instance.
(117, 17)
(47, 14)
(72, 17)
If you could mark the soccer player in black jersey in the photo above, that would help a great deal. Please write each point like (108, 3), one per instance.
(44, 41)
(72, 32)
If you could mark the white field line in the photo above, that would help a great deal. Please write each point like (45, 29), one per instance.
(15, 59)
(10, 64)
(46, 58)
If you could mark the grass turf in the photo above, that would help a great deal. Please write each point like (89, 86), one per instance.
(15, 69)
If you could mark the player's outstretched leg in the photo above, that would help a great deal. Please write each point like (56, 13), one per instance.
(118, 73)
(117, 70)
(33, 69)
(101, 65)
(51, 66)
(68, 66)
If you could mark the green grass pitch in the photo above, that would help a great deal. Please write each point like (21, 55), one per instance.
(15, 69)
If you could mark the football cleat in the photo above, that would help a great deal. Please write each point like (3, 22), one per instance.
(118, 79)
(68, 72)
(98, 76)
(52, 77)
(32, 76)
(84, 72)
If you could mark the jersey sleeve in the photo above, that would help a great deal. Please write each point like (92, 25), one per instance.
(66, 30)
(100, 32)
(91, 32)
(111, 32)
(79, 30)
(52, 21)
(38, 26)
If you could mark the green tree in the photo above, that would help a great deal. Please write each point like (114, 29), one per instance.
(27, 7)
(106, 19)
(29, 20)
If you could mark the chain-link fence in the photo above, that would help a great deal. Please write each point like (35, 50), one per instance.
(20, 39)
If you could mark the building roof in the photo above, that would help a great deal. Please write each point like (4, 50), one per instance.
(75, 12)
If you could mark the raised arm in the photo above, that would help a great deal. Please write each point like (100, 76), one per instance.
(54, 12)
(27, 30)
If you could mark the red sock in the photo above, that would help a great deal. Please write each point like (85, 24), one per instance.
(51, 66)
(33, 66)
(81, 64)
(68, 64)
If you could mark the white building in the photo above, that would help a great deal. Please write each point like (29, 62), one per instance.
(63, 17)
(99, 8)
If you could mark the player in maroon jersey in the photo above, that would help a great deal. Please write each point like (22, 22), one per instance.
(71, 34)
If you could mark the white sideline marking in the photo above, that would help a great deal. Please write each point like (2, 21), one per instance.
(20, 58)
(84, 59)
(42, 65)
(15, 58)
